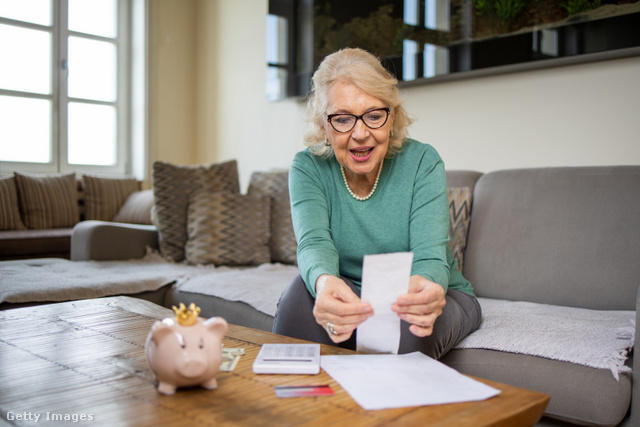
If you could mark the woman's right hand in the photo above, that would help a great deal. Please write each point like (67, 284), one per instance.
(338, 306)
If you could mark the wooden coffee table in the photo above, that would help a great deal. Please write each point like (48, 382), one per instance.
(85, 361)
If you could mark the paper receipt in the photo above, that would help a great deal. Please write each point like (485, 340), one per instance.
(384, 278)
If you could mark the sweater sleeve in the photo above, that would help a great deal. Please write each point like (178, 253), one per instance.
(429, 220)
(310, 209)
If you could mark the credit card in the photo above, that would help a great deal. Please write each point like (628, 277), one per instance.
(303, 391)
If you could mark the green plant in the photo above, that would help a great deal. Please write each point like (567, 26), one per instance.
(505, 10)
(508, 10)
(576, 6)
(484, 7)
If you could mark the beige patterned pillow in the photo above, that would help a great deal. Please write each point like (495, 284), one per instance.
(137, 208)
(9, 211)
(276, 186)
(104, 196)
(48, 200)
(459, 219)
(172, 186)
(227, 229)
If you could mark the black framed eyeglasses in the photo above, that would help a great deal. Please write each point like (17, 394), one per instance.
(373, 119)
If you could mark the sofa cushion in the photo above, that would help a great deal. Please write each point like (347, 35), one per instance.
(9, 212)
(41, 243)
(136, 209)
(463, 178)
(276, 185)
(459, 218)
(104, 195)
(65, 280)
(227, 229)
(600, 339)
(235, 312)
(557, 236)
(172, 186)
(48, 200)
(579, 394)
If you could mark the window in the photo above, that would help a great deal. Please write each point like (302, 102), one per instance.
(65, 86)
(277, 57)
(289, 48)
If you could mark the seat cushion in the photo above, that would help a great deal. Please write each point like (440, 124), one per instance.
(235, 312)
(579, 394)
(44, 243)
(599, 339)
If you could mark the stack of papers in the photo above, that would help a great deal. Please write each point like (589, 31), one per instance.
(383, 381)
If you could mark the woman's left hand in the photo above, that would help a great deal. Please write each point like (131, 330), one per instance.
(421, 306)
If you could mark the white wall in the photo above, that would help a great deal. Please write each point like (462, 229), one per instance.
(172, 84)
(241, 124)
(571, 116)
(576, 115)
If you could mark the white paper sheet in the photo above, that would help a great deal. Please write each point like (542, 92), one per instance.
(384, 278)
(382, 381)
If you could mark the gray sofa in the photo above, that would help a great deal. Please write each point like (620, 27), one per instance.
(103, 197)
(567, 237)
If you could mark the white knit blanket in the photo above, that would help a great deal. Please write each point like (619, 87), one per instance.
(260, 287)
(594, 338)
(64, 280)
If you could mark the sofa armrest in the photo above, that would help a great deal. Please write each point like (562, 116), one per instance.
(102, 241)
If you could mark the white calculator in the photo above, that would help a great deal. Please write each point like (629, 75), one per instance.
(288, 359)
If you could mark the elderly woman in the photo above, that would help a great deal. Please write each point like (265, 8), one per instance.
(363, 187)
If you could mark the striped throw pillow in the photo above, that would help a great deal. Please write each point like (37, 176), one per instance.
(275, 185)
(459, 219)
(227, 229)
(104, 195)
(48, 200)
(172, 186)
(9, 211)
(137, 208)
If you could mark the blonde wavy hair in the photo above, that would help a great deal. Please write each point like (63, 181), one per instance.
(361, 68)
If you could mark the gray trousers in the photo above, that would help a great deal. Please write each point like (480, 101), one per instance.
(460, 316)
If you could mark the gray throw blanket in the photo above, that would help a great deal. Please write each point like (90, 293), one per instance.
(594, 338)
(64, 280)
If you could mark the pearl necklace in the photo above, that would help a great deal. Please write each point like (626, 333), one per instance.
(375, 184)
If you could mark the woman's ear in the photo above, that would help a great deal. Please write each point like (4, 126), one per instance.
(326, 138)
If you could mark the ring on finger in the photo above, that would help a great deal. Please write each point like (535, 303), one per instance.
(330, 329)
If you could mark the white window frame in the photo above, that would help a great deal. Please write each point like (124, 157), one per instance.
(131, 100)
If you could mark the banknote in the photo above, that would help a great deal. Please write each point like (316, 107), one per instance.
(230, 357)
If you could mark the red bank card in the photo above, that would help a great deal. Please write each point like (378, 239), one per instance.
(303, 391)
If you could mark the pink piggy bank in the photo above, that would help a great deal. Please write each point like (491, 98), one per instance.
(186, 351)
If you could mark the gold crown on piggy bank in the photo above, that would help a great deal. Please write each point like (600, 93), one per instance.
(186, 316)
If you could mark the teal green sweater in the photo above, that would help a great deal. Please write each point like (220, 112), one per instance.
(408, 212)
